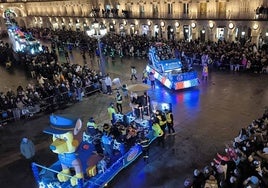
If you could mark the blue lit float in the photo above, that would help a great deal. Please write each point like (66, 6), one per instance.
(168, 70)
(81, 148)
(22, 41)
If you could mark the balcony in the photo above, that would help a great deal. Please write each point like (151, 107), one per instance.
(164, 15)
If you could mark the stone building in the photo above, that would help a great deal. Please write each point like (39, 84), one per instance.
(171, 19)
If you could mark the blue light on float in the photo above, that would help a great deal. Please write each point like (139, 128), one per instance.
(165, 106)
(32, 51)
(17, 46)
(40, 48)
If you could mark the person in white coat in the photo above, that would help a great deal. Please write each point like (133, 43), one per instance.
(108, 83)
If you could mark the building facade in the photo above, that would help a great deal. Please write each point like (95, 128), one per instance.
(171, 19)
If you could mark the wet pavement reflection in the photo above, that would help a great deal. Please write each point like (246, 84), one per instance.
(206, 118)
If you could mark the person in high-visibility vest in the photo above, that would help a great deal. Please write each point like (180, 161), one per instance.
(162, 120)
(170, 123)
(92, 127)
(119, 101)
(111, 112)
(158, 132)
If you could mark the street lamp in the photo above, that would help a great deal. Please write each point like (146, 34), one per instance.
(97, 31)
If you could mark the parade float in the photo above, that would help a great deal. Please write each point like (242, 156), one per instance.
(80, 163)
(22, 41)
(170, 71)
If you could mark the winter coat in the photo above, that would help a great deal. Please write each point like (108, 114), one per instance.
(27, 149)
(211, 183)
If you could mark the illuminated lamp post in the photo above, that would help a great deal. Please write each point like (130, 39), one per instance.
(97, 31)
(211, 26)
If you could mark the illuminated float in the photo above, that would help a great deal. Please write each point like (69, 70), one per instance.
(80, 165)
(168, 70)
(22, 42)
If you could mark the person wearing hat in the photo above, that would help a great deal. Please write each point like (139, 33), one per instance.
(111, 112)
(119, 101)
(91, 127)
(27, 148)
(133, 73)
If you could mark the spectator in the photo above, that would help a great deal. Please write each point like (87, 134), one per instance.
(133, 73)
(108, 83)
(27, 148)
(205, 72)
(125, 91)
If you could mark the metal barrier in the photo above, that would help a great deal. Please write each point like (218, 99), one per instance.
(48, 104)
(91, 89)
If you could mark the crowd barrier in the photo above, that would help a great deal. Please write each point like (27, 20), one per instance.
(47, 105)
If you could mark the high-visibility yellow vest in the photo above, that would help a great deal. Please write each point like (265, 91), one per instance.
(161, 122)
(168, 116)
(111, 111)
(119, 99)
(157, 130)
(91, 124)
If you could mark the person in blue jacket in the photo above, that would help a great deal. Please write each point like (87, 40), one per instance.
(27, 148)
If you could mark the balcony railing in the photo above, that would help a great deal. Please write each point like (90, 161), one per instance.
(195, 15)
(164, 15)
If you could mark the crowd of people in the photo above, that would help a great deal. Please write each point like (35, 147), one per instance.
(163, 52)
(126, 130)
(244, 55)
(221, 54)
(244, 163)
(56, 84)
(262, 12)
(55, 78)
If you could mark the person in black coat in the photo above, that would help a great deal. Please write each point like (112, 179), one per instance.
(198, 179)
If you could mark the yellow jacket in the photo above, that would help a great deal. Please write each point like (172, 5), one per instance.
(168, 116)
(111, 111)
(161, 121)
(157, 130)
